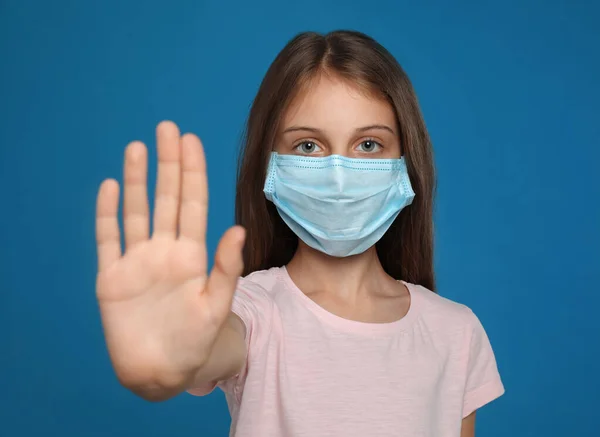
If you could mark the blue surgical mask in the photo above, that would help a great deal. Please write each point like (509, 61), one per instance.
(337, 205)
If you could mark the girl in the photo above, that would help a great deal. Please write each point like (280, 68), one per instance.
(334, 328)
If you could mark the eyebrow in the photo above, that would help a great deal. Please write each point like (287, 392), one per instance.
(360, 129)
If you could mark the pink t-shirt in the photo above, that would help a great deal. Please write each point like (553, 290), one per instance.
(311, 373)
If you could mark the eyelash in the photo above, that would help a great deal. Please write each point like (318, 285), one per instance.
(298, 146)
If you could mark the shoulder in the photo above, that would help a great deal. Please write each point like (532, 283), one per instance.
(443, 313)
(253, 304)
(258, 288)
(455, 327)
(262, 281)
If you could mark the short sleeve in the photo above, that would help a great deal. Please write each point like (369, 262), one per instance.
(483, 382)
(253, 305)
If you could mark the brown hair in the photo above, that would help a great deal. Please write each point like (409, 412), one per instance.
(406, 250)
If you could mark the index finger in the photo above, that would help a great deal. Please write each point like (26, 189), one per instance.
(194, 190)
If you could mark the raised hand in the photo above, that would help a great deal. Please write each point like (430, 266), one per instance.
(161, 311)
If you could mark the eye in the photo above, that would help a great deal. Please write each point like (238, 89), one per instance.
(307, 147)
(369, 146)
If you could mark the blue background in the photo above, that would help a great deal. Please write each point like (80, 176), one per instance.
(510, 93)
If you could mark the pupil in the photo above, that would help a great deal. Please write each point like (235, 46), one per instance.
(368, 145)
(308, 147)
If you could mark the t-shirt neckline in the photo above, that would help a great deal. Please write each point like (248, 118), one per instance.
(354, 326)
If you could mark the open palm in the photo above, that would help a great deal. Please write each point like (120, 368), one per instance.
(161, 311)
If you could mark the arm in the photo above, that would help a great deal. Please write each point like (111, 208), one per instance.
(227, 357)
(225, 360)
(468, 426)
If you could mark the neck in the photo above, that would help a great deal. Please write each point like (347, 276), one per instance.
(350, 277)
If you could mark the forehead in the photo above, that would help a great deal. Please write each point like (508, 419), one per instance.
(329, 100)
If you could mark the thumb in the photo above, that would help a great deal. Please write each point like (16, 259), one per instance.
(227, 268)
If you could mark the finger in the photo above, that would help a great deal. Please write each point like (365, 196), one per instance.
(168, 184)
(108, 237)
(227, 269)
(136, 213)
(194, 191)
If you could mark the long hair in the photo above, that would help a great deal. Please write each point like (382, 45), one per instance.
(406, 249)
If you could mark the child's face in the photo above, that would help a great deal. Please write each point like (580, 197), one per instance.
(331, 117)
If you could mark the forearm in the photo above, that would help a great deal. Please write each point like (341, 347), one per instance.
(225, 360)
(227, 357)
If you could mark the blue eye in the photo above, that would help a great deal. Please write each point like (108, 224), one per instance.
(307, 147)
(369, 146)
